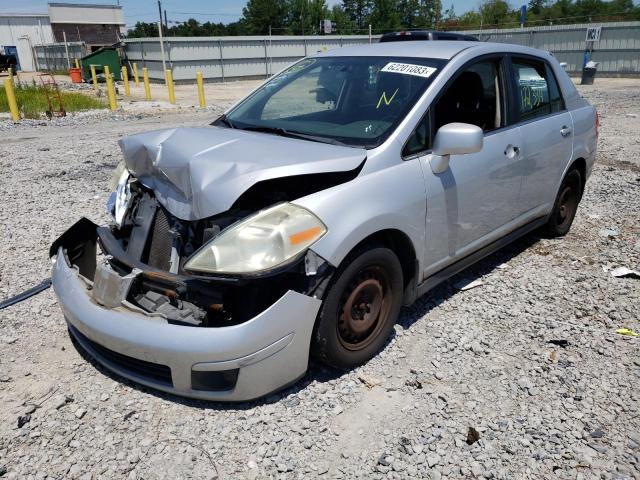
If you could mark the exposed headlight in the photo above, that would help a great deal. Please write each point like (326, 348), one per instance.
(118, 201)
(261, 242)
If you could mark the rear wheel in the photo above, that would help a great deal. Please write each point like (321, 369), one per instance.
(565, 206)
(359, 309)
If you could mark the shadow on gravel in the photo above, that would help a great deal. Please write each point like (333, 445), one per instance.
(318, 372)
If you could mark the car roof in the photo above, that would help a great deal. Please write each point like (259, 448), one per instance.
(440, 49)
(437, 49)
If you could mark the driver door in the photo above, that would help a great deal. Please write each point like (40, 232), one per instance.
(476, 197)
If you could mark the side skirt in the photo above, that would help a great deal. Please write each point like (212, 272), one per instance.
(456, 267)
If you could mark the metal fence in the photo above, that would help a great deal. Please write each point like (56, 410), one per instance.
(53, 57)
(223, 58)
(220, 58)
(617, 51)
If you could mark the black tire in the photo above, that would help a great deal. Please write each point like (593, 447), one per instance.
(359, 309)
(565, 206)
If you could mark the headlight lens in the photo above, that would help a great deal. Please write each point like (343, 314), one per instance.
(261, 242)
(118, 201)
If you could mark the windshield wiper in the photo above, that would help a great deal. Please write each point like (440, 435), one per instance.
(292, 134)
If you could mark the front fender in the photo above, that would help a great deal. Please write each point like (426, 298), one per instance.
(391, 198)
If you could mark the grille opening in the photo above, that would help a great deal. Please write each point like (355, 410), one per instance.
(220, 380)
(141, 368)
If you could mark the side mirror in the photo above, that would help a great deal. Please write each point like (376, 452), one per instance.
(454, 139)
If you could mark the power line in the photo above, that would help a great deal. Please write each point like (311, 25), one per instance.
(546, 21)
(208, 14)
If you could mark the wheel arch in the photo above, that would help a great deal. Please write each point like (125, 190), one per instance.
(579, 164)
(401, 245)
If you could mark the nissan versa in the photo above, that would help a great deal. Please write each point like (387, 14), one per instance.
(302, 219)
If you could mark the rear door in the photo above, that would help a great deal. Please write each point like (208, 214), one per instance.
(547, 132)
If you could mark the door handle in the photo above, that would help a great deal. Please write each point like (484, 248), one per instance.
(512, 151)
(565, 131)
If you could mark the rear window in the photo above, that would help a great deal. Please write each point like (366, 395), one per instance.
(537, 89)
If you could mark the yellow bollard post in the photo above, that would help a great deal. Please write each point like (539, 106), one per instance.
(11, 99)
(77, 63)
(135, 74)
(11, 73)
(111, 93)
(172, 93)
(145, 79)
(94, 77)
(200, 90)
(125, 79)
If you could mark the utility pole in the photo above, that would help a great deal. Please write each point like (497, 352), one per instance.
(66, 49)
(160, 13)
(164, 63)
(166, 24)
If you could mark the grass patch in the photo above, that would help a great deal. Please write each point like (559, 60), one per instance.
(32, 101)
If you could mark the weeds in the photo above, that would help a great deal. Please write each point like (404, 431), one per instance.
(32, 101)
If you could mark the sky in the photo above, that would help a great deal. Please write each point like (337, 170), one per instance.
(224, 11)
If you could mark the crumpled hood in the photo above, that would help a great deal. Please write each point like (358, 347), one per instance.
(199, 172)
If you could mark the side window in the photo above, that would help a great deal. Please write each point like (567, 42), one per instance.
(537, 89)
(557, 102)
(420, 139)
(475, 97)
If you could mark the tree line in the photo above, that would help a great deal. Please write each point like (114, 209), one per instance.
(303, 17)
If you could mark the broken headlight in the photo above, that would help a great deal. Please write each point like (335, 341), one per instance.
(261, 242)
(118, 201)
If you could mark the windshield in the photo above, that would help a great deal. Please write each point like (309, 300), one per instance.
(355, 101)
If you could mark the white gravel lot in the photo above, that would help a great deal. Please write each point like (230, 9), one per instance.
(530, 360)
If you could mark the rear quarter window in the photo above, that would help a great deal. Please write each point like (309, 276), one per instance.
(537, 90)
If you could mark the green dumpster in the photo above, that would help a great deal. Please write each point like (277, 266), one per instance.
(104, 56)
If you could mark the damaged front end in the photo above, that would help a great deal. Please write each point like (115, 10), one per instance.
(141, 266)
(130, 303)
(204, 283)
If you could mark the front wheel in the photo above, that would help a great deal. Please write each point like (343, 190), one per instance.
(565, 206)
(360, 309)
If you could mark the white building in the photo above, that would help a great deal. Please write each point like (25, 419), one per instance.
(20, 31)
(94, 25)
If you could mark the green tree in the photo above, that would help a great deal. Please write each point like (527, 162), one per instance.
(495, 12)
(344, 24)
(304, 16)
(384, 16)
(258, 15)
(536, 6)
(358, 11)
(143, 29)
(409, 12)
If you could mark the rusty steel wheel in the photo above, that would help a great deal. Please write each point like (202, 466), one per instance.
(568, 203)
(365, 307)
(359, 309)
(565, 206)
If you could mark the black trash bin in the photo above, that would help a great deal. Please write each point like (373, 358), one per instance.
(588, 76)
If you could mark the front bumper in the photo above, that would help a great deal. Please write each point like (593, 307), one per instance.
(267, 352)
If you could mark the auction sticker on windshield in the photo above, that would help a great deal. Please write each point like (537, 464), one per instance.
(409, 69)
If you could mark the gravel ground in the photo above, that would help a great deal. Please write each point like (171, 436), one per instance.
(521, 377)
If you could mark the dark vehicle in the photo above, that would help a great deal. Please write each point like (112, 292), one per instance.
(7, 62)
(425, 35)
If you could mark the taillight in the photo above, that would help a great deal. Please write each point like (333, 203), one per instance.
(597, 123)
